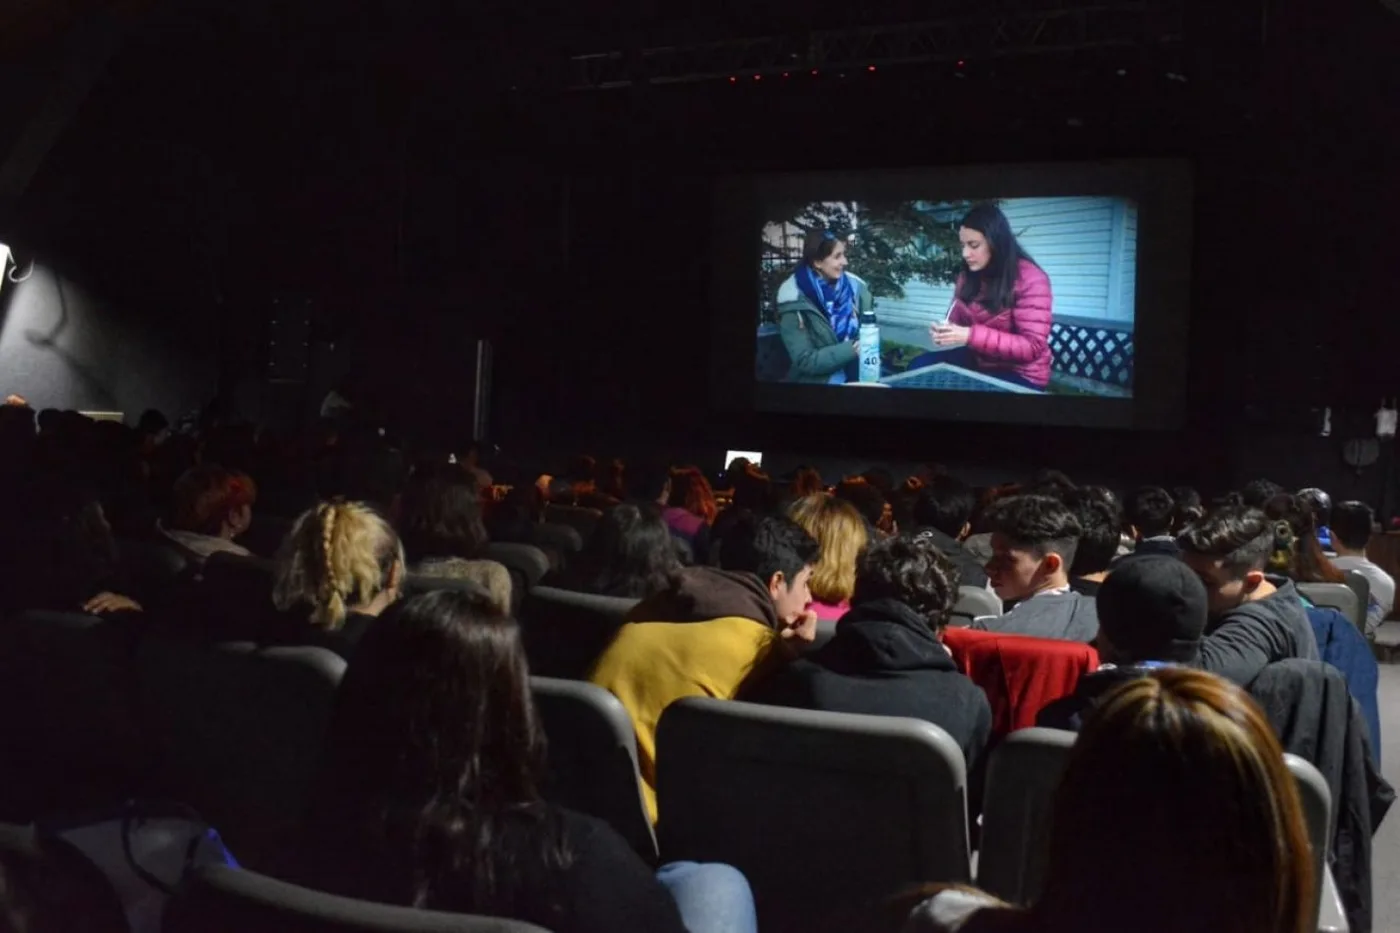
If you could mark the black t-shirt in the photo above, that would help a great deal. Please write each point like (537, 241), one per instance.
(604, 888)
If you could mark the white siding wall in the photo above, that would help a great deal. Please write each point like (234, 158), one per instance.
(1073, 239)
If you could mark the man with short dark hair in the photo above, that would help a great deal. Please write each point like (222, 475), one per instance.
(712, 629)
(1151, 513)
(1034, 539)
(942, 512)
(1352, 523)
(1098, 543)
(1152, 613)
(1255, 620)
(888, 657)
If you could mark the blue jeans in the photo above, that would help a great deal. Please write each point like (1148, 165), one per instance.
(712, 898)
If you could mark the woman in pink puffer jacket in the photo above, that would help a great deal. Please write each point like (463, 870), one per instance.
(1003, 306)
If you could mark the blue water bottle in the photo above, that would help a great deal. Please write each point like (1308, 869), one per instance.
(869, 348)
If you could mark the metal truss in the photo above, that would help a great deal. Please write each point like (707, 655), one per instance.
(1144, 23)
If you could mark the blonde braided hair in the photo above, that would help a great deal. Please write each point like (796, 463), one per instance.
(338, 555)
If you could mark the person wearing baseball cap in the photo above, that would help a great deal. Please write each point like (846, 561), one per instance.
(1152, 614)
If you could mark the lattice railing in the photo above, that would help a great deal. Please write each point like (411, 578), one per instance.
(1097, 353)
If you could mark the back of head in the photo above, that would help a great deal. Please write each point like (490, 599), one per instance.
(1351, 525)
(1189, 508)
(441, 515)
(1297, 552)
(911, 570)
(806, 482)
(647, 482)
(1241, 538)
(1151, 609)
(1039, 524)
(337, 556)
(1177, 811)
(207, 496)
(841, 533)
(434, 727)
(1100, 522)
(630, 553)
(945, 503)
(1151, 511)
(753, 489)
(868, 500)
(1052, 483)
(691, 491)
(765, 545)
(1318, 503)
(1258, 491)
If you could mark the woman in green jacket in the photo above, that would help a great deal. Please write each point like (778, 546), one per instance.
(819, 308)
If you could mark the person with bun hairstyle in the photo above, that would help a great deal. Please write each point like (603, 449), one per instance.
(819, 309)
(1255, 619)
(341, 566)
(1003, 306)
(1176, 812)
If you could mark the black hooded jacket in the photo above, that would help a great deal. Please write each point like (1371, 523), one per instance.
(885, 660)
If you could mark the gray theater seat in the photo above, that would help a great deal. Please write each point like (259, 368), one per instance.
(219, 899)
(592, 764)
(565, 631)
(1362, 587)
(1336, 596)
(1022, 776)
(68, 714)
(581, 520)
(821, 811)
(974, 602)
(238, 731)
(527, 565)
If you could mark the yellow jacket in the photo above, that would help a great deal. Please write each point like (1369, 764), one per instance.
(651, 664)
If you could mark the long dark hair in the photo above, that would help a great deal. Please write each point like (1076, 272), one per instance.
(434, 747)
(1298, 553)
(441, 516)
(994, 286)
(631, 553)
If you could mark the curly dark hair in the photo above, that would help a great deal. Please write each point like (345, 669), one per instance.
(1101, 520)
(1188, 507)
(765, 545)
(1240, 537)
(1151, 510)
(911, 570)
(1258, 491)
(1040, 524)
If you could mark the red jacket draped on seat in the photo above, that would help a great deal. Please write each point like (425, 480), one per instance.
(1019, 674)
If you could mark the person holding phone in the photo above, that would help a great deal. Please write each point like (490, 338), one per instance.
(999, 322)
(819, 309)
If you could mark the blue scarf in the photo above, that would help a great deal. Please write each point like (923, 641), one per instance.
(837, 299)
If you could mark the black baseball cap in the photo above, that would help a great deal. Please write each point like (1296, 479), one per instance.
(1153, 609)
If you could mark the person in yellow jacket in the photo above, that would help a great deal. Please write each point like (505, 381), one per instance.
(712, 631)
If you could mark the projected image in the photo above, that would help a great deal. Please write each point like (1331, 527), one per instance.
(1017, 295)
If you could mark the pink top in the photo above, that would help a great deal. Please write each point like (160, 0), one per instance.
(682, 522)
(1017, 340)
(827, 612)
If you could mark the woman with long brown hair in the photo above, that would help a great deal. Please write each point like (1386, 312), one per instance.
(1176, 813)
(1298, 554)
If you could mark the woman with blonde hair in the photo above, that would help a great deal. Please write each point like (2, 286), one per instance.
(342, 565)
(842, 533)
(1176, 812)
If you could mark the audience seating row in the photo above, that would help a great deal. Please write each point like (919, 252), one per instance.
(1350, 599)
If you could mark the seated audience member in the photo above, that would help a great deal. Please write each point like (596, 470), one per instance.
(887, 657)
(841, 534)
(210, 507)
(1298, 554)
(650, 484)
(1189, 508)
(806, 482)
(1034, 539)
(442, 531)
(429, 794)
(631, 554)
(1351, 531)
(943, 513)
(869, 501)
(1319, 505)
(753, 490)
(57, 553)
(1151, 513)
(515, 518)
(691, 509)
(712, 629)
(340, 567)
(1257, 492)
(1152, 613)
(1255, 619)
(1182, 770)
(1100, 522)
